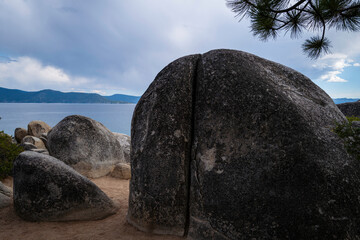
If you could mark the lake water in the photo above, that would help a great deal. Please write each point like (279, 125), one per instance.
(116, 117)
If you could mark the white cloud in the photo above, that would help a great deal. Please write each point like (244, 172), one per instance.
(334, 65)
(356, 64)
(334, 61)
(331, 76)
(29, 73)
(99, 92)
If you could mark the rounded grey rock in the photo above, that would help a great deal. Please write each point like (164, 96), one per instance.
(350, 109)
(86, 145)
(46, 189)
(355, 124)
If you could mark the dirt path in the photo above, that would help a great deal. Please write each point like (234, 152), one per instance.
(114, 227)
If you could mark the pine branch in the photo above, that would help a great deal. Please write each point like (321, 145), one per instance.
(269, 17)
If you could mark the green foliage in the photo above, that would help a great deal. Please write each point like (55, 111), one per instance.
(353, 118)
(268, 17)
(8, 152)
(351, 135)
(315, 45)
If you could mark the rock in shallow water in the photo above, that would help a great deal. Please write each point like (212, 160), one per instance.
(264, 163)
(46, 189)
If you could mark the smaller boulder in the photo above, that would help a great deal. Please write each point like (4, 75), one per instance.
(36, 128)
(35, 141)
(43, 151)
(86, 145)
(44, 141)
(46, 189)
(122, 171)
(19, 134)
(350, 108)
(28, 146)
(356, 124)
(5, 196)
(125, 142)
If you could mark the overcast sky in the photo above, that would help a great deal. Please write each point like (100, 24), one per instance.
(118, 46)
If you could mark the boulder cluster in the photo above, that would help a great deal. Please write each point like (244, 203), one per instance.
(34, 138)
(50, 176)
(224, 145)
(80, 142)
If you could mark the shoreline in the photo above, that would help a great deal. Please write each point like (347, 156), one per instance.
(13, 227)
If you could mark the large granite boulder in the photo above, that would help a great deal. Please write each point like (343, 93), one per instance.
(160, 149)
(350, 108)
(5, 196)
(46, 189)
(86, 145)
(227, 145)
(36, 128)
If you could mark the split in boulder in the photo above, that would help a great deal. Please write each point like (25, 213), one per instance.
(227, 145)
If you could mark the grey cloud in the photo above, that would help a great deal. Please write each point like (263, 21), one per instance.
(122, 45)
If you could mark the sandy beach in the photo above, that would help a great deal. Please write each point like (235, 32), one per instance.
(13, 227)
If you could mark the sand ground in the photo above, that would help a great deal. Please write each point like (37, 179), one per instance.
(13, 227)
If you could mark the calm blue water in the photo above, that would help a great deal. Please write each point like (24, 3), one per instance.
(116, 117)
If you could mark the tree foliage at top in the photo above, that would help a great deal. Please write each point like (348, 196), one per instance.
(269, 17)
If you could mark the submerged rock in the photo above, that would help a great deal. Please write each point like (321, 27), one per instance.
(46, 189)
(264, 162)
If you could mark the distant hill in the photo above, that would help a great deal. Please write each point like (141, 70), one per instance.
(124, 98)
(51, 96)
(345, 100)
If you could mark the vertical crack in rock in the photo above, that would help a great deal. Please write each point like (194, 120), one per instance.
(161, 151)
(191, 150)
